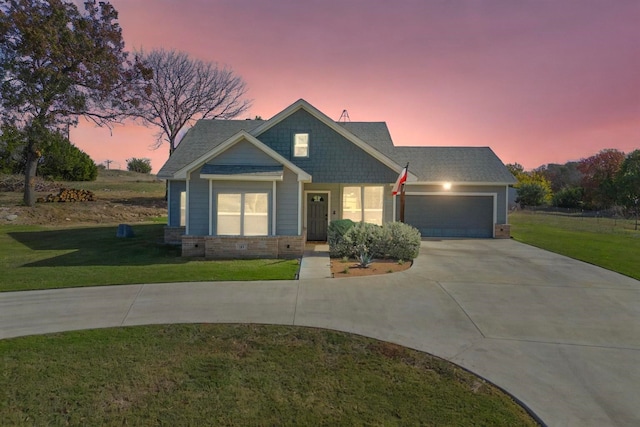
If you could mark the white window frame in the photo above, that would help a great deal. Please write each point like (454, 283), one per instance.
(362, 200)
(298, 143)
(242, 212)
(183, 209)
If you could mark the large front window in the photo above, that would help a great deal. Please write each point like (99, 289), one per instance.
(363, 203)
(243, 214)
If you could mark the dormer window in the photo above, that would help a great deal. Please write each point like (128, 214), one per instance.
(301, 145)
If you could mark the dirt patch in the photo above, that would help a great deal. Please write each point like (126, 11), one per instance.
(339, 268)
(120, 197)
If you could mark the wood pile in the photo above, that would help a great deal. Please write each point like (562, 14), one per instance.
(69, 195)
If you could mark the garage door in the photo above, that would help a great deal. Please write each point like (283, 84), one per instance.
(450, 216)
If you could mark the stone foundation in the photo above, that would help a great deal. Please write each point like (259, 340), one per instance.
(503, 231)
(173, 235)
(235, 247)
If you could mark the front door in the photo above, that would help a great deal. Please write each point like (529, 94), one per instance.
(317, 216)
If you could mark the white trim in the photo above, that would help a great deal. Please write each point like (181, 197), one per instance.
(301, 104)
(456, 183)
(169, 210)
(394, 208)
(252, 178)
(210, 208)
(328, 193)
(464, 194)
(300, 204)
(273, 210)
(186, 207)
(233, 140)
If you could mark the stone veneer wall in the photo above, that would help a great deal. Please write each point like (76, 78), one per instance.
(503, 231)
(173, 235)
(234, 247)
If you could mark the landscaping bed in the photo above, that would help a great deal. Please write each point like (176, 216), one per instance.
(351, 268)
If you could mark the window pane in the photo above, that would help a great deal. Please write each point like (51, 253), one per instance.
(352, 204)
(301, 145)
(256, 214)
(373, 201)
(183, 208)
(229, 214)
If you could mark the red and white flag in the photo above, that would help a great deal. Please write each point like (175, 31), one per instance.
(401, 179)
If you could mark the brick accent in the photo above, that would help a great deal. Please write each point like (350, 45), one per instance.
(173, 235)
(193, 246)
(232, 247)
(503, 231)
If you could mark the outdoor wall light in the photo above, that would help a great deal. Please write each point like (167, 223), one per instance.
(446, 186)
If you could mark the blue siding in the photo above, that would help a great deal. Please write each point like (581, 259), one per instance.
(198, 200)
(332, 158)
(244, 153)
(175, 187)
(287, 205)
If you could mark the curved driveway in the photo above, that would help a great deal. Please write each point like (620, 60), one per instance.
(560, 335)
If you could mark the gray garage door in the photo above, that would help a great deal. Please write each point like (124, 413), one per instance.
(450, 216)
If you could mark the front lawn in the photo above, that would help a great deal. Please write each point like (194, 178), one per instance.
(606, 242)
(180, 375)
(36, 257)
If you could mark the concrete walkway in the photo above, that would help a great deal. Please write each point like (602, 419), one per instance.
(561, 336)
(315, 263)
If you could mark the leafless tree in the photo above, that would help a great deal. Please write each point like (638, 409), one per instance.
(184, 90)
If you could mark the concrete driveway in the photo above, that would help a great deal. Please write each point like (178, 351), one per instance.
(562, 336)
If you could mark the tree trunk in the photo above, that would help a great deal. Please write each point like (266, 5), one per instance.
(30, 177)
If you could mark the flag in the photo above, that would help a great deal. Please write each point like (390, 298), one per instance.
(401, 179)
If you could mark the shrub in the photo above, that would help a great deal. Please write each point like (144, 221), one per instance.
(364, 241)
(401, 241)
(335, 237)
(569, 197)
(64, 161)
(139, 165)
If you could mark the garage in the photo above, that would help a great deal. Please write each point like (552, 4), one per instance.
(452, 215)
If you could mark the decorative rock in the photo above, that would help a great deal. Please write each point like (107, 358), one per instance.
(124, 230)
(11, 217)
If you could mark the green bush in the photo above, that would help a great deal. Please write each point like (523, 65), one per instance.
(401, 241)
(335, 237)
(61, 160)
(365, 241)
(139, 165)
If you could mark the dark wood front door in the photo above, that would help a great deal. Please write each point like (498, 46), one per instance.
(317, 216)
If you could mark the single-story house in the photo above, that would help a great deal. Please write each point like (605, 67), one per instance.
(262, 188)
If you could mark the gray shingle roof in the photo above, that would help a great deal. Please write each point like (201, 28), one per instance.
(429, 164)
(435, 164)
(202, 138)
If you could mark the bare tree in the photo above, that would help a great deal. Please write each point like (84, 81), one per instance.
(184, 90)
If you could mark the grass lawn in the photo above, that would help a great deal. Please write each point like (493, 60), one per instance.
(237, 375)
(606, 242)
(36, 257)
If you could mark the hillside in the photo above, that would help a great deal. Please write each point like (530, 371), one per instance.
(121, 197)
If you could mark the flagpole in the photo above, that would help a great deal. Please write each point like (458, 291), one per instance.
(402, 195)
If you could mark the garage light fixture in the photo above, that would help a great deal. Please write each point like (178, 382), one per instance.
(446, 186)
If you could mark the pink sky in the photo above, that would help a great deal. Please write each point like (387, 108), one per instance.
(539, 81)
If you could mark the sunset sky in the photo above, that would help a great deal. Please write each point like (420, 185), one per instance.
(539, 81)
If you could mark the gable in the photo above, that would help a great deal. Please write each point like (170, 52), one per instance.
(332, 156)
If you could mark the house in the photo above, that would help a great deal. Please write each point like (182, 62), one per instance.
(262, 188)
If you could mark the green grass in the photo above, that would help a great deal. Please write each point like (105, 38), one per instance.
(36, 257)
(237, 375)
(606, 242)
